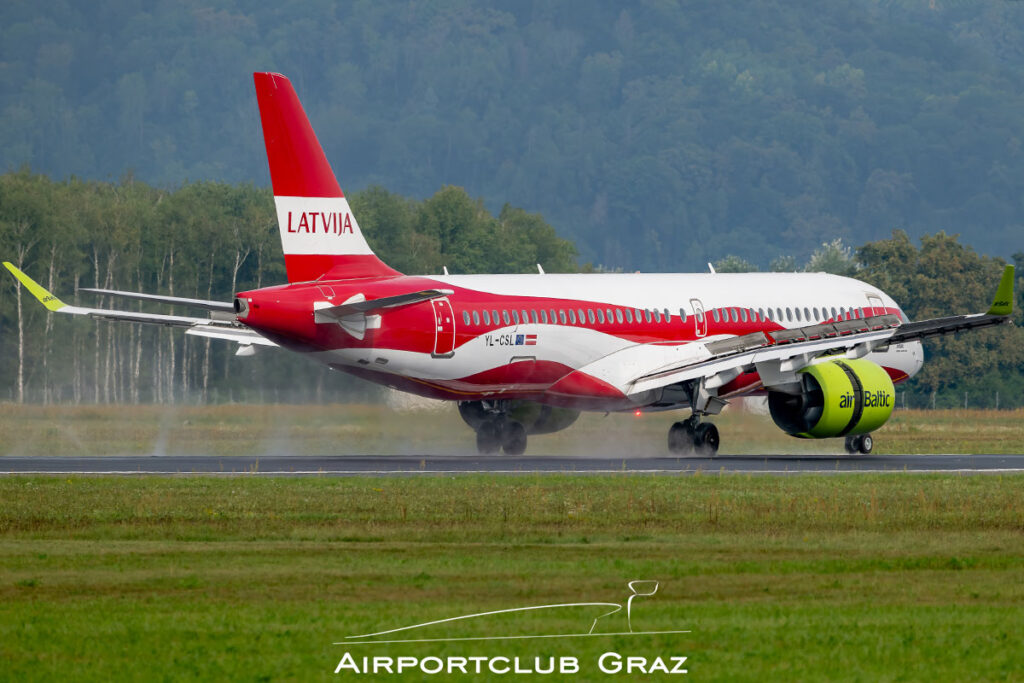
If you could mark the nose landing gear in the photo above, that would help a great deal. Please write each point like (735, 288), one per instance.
(860, 443)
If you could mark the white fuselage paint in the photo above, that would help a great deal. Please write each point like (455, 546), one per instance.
(578, 346)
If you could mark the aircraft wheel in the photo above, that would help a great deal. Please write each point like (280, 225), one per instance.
(680, 438)
(866, 444)
(705, 439)
(852, 444)
(513, 438)
(488, 438)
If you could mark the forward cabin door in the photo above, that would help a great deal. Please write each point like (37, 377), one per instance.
(877, 307)
(700, 320)
(444, 325)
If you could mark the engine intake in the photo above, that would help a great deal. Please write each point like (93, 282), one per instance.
(836, 398)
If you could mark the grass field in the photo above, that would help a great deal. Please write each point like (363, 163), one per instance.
(373, 429)
(867, 577)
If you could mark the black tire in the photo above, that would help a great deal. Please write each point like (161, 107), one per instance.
(852, 445)
(680, 438)
(488, 438)
(867, 442)
(705, 439)
(513, 438)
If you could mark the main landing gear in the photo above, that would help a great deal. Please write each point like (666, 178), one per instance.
(693, 436)
(500, 433)
(861, 443)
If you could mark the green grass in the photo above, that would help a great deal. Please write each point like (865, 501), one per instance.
(845, 578)
(374, 429)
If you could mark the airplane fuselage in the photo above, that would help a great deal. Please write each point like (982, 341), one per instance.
(536, 337)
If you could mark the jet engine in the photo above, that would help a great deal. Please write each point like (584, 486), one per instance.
(834, 398)
(537, 418)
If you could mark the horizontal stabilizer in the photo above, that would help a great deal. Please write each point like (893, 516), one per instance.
(337, 312)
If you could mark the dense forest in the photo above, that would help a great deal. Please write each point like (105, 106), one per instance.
(656, 135)
(208, 240)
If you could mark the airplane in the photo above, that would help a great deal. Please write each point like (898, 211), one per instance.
(525, 354)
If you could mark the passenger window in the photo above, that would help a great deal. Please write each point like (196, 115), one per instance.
(798, 318)
(561, 316)
(789, 314)
(494, 314)
(778, 314)
(611, 316)
(682, 315)
(760, 314)
(629, 315)
(505, 317)
(572, 317)
(743, 314)
(668, 316)
(833, 312)
(735, 316)
(515, 316)
(476, 317)
(618, 315)
(815, 312)
(526, 317)
(581, 315)
(807, 314)
(465, 317)
(554, 317)
(714, 314)
(600, 316)
(544, 316)
(657, 315)
(590, 316)
(533, 316)
(487, 317)
(647, 315)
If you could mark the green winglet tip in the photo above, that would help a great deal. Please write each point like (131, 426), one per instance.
(1003, 303)
(37, 290)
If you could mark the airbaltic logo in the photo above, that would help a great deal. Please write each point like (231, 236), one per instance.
(610, 662)
(313, 222)
(872, 399)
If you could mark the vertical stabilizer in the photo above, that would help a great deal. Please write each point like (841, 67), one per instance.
(320, 236)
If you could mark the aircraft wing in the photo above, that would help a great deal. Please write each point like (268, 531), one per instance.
(206, 327)
(778, 355)
(222, 306)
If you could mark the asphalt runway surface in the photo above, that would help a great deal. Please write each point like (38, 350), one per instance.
(356, 465)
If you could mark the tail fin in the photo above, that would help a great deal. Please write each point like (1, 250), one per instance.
(320, 236)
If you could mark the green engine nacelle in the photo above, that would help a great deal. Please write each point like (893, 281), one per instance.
(836, 398)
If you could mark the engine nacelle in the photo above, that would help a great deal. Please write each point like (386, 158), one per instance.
(537, 418)
(836, 398)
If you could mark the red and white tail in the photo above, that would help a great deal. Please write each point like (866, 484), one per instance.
(320, 236)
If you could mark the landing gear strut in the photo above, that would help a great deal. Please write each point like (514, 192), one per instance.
(861, 443)
(691, 436)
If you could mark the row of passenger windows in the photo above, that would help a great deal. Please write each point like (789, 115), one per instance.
(569, 316)
(789, 315)
(598, 316)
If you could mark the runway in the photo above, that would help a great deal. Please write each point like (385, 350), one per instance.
(355, 465)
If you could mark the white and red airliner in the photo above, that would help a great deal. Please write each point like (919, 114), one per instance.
(524, 354)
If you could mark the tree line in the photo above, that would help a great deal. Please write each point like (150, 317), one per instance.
(208, 240)
(649, 132)
(204, 240)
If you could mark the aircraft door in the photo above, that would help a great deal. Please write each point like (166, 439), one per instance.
(877, 307)
(700, 320)
(444, 325)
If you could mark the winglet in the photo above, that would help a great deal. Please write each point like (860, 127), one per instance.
(1003, 303)
(38, 291)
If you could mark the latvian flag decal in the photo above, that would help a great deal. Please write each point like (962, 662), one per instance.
(531, 340)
